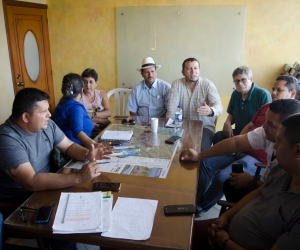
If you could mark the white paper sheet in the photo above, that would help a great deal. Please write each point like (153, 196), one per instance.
(132, 219)
(82, 213)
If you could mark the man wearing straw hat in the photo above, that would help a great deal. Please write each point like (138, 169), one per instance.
(149, 97)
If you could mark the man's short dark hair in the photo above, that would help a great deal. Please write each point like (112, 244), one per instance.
(291, 82)
(292, 129)
(25, 101)
(242, 70)
(89, 72)
(285, 107)
(191, 59)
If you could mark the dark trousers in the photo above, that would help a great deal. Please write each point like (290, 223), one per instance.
(233, 194)
(220, 137)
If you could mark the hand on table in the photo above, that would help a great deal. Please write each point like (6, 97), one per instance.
(89, 171)
(189, 155)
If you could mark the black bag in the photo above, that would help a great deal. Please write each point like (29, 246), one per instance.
(59, 159)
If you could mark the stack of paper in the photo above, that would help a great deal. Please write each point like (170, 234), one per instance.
(83, 213)
(114, 135)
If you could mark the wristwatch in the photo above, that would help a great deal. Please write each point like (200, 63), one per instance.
(212, 113)
(252, 183)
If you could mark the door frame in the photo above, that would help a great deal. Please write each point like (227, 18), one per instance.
(48, 65)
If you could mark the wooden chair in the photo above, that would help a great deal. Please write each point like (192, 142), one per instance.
(121, 96)
(229, 204)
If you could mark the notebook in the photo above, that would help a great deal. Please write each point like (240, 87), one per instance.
(115, 135)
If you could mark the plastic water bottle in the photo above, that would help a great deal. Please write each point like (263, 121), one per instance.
(178, 118)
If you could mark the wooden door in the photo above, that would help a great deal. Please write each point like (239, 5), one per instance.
(28, 22)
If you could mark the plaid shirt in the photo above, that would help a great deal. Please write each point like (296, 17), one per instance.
(204, 91)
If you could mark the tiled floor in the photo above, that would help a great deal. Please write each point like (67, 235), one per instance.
(81, 246)
(212, 213)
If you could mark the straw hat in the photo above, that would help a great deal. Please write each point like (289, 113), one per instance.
(148, 62)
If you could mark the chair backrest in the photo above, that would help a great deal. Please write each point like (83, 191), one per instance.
(121, 97)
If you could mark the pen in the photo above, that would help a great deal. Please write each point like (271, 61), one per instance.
(123, 147)
(125, 154)
(103, 162)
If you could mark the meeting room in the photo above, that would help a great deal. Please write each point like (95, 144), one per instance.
(96, 57)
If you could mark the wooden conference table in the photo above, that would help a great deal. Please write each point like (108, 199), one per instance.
(179, 187)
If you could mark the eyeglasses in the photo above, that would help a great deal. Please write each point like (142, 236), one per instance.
(243, 80)
(21, 213)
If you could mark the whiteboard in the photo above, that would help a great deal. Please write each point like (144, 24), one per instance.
(214, 35)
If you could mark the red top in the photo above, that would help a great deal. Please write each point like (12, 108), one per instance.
(258, 120)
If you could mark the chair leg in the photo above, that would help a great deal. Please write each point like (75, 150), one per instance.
(40, 243)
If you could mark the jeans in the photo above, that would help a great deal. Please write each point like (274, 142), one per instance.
(207, 139)
(213, 173)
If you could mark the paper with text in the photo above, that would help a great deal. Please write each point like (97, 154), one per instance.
(82, 213)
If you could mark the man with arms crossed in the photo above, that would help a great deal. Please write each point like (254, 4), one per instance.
(261, 138)
(199, 99)
(149, 98)
(27, 140)
(268, 217)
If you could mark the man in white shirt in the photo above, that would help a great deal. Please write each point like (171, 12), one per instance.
(199, 99)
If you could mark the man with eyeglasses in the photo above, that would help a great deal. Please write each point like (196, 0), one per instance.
(245, 100)
(149, 98)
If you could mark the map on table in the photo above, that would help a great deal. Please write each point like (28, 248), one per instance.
(153, 160)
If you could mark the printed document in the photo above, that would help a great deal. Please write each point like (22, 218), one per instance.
(83, 213)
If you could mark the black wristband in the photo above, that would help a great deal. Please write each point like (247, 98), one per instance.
(212, 113)
(225, 242)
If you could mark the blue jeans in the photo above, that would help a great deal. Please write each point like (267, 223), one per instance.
(207, 139)
(213, 173)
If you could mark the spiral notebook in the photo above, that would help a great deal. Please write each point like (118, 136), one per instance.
(115, 135)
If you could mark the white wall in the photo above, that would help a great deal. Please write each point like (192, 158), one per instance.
(6, 85)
